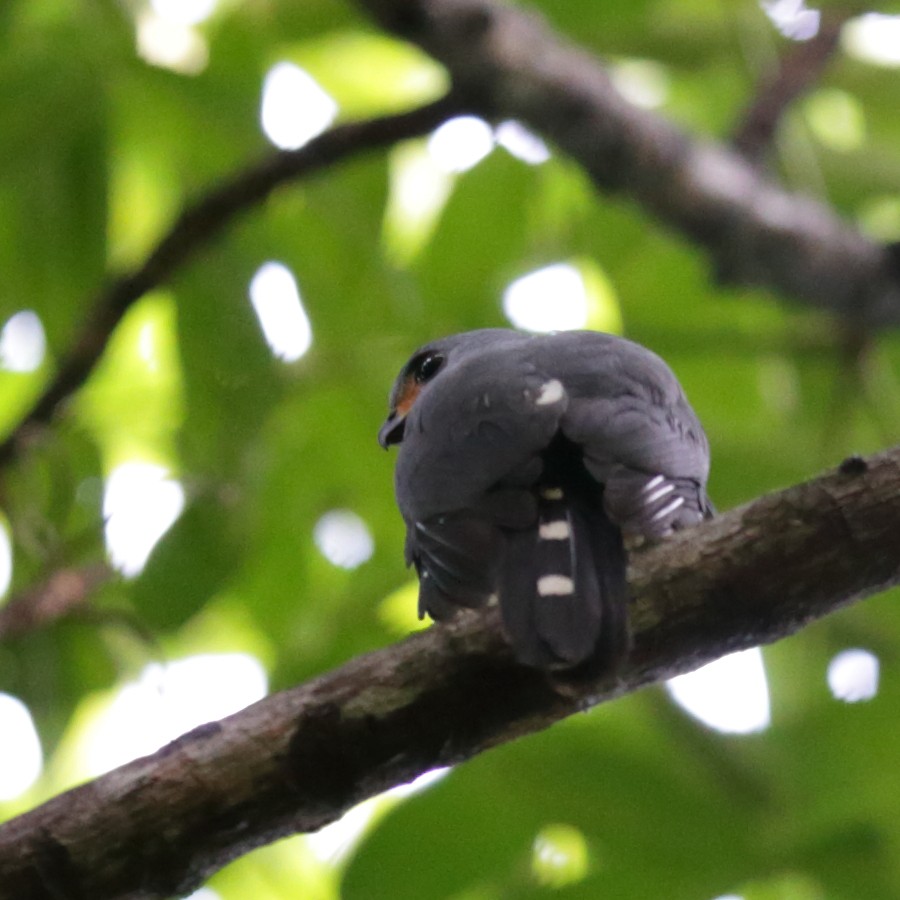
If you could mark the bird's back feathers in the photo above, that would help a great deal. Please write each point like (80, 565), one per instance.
(523, 462)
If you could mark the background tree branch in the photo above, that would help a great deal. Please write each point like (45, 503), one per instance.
(298, 759)
(66, 592)
(800, 69)
(509, 64)
(198, 224)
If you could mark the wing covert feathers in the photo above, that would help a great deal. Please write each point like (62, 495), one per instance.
(526, 465)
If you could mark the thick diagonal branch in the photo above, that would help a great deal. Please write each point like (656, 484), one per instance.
(296, 760)
(204, 220)
(511, 65)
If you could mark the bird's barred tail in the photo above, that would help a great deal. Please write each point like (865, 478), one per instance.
(562, 587)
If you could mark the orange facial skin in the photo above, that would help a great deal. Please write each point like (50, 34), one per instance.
(392, 430)
(408, 394)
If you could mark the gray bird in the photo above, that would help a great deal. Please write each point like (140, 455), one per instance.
(525, 463)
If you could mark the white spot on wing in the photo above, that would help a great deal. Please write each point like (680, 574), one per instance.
(555, 586)
(658, 495)
(677, 503)
(555, 531)
(552, 493)
(653, 482)
(551, 392)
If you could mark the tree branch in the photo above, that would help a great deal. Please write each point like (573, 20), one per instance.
(298, 759)
(201, 222)
(511, 65)
(65, 592)
(799, 69)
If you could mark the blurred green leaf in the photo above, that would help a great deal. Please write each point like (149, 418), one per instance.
(371, 73)
(54, 190)
(189, 564)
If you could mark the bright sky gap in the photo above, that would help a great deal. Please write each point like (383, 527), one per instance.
(343, 538)
(549, 299)
(276, 301)
(166, 701)
(22, 342)
(295, 108)
(730, 695)
(140, 503)
(21, 759)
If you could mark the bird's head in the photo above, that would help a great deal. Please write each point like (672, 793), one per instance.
(425, 365)
(412, 380)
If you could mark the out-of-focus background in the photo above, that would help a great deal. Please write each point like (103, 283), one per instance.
(222, 460)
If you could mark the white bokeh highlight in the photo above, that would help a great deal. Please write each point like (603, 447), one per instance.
(21, 759)
(335, 841)
(23, 343)
(643, 82)
(420, 783)
(295, 107)
(550, 299)
(203, 893)
(873, 38)
(730, 695)
(343, 538)
(276, 300)
(168, 700)
(170, 44)
(460, 143)
(184, 12)
(6, 560)
(419, 190)
(853, 675)
(793, 18)
(518, 141)
(140, 503)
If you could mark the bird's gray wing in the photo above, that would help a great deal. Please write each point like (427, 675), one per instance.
(638, 434)
(483, 423)
(470, 452)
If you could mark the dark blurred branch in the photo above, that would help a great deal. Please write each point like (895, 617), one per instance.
(298, 759)
(198, 224)
(799, 70)
(511, 65)
(65, 592)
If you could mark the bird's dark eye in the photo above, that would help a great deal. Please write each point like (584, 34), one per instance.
(426, 367)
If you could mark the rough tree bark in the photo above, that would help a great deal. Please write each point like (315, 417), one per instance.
(298, 759)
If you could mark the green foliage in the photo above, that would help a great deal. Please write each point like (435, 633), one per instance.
(101, 151)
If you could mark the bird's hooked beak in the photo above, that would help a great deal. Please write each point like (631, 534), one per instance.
(402, 399)
(392, 430)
